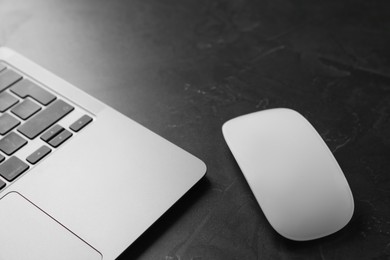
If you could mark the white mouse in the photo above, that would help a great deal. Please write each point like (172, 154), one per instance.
(296, 180)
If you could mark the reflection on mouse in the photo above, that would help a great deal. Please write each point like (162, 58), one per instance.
(296, 180)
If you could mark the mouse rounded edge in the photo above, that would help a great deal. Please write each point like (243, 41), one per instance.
(293, 175)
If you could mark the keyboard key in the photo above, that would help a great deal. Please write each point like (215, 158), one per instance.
(7, 123)
(2, 184)
(38, 154)
(7, 101)
(60, 138)
(26, 88)
(45, 118)
(7, 78)
(11, 143)
(12, 168)
(80, 123)
(26, 109)
(1, 158)
(49, 134)
(2, 67)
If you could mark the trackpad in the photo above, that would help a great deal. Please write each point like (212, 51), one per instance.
(28, 233)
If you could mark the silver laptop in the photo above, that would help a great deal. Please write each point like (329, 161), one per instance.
(78, 180)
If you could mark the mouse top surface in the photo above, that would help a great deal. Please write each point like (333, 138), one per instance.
(296, 180)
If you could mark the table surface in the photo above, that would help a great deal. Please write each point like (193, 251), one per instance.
(184, 67)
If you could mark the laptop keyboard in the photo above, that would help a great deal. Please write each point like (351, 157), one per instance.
(30, 115)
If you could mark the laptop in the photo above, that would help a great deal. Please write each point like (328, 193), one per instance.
(78, 180)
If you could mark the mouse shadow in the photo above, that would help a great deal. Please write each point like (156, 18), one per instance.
(165, 222)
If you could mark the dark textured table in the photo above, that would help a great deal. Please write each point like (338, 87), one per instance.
(184, 67)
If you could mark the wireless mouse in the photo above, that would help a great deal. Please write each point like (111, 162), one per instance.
(292, 173)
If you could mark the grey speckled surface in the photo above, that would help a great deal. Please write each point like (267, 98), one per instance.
(184, 67)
